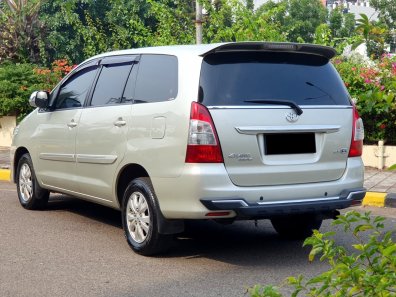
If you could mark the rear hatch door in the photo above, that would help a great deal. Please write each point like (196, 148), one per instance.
(281, 117)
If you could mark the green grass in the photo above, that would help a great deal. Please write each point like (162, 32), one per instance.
(393, 167)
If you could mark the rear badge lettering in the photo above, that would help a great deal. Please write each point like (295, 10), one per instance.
(240, 157)
(342, 151)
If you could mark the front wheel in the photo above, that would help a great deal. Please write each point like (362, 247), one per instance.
(140, 219)
(296, 226)
(30, 194)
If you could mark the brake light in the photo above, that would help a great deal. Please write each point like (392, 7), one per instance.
(356, 148)
(203, 144)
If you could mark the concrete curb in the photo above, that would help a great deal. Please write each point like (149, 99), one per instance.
(5, 174)
(379, 199)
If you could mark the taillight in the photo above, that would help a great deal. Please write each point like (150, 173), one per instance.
(357, 135)
(203, 144)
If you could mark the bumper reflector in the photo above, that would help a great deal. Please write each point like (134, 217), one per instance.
(217, 214)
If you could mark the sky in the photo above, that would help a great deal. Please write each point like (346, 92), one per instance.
(257, 3)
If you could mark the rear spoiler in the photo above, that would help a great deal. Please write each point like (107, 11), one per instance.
(303, 48)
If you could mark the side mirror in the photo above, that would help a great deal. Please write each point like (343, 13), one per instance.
(39, 99)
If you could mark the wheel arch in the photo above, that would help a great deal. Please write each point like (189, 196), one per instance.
(128, 173)
(19, 152)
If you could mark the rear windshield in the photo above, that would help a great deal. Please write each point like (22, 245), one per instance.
(235, 77)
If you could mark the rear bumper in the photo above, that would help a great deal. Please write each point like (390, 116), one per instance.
(262, 210)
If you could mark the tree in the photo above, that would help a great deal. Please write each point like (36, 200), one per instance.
(387, 11)
(234, 20)
(323, 35)
(299, 18)
(78, 29)
(372, 34)
(173, 22)
(20, 30)
(341, 24)
(303, 18)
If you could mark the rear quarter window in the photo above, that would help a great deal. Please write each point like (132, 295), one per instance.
(157, 79)
(233, 78)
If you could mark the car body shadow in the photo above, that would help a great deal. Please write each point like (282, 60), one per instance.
(241, 243)
(84, 208)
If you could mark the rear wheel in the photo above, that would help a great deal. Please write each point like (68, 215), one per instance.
(296, 226)
(30, 194)
(140, 219)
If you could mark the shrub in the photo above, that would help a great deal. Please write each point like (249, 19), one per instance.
(373, 85)
(18, 81)
(369, 270)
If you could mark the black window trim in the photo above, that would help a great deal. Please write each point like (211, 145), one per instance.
(56, 91)
(133, 59)
(123, 98)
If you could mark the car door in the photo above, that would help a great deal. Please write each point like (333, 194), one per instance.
(103, 126)
(55, 136)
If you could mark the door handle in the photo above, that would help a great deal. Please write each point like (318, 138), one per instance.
(120, 122)
(72, 124)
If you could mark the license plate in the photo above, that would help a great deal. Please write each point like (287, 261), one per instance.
(289, 143)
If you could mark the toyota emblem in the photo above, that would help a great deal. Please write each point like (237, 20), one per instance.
(292, 117)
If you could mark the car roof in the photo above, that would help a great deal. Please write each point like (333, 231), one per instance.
(204, 49)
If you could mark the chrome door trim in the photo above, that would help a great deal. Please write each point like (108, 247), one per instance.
(96, 159)
(253, 130)
(57, 157)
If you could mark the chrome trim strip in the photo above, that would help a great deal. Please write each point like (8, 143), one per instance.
(58, 157)
(252, 130)
(349, 197)
(242, 202)
(335, 198)
(263, 106)
(96, 159)
(62, 190)
(299, 201)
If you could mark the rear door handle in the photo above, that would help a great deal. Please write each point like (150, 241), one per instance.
(72, 124)
(120, 122)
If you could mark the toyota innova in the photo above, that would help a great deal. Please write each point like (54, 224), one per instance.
(232, 131)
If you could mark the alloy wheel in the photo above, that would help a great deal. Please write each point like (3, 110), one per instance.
(138, 217)
(25, 183)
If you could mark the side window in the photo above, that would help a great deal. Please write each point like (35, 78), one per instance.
(157, 79)
(110, 84)
(73, 92)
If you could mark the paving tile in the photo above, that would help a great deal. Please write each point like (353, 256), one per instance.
(379, 189)
(392, 190)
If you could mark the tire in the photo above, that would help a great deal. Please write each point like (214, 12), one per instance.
(30, 194)
(140, 219)
(296, 226)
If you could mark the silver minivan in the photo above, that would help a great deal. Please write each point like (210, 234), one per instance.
(230, 131)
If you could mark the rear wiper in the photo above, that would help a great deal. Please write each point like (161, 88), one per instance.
(293, 105)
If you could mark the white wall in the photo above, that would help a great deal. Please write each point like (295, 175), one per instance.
(379, 156)
(7, 125)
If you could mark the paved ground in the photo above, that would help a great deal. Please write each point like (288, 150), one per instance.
(380, 180)
(75, 248)
(374, 180)
(4, 157)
